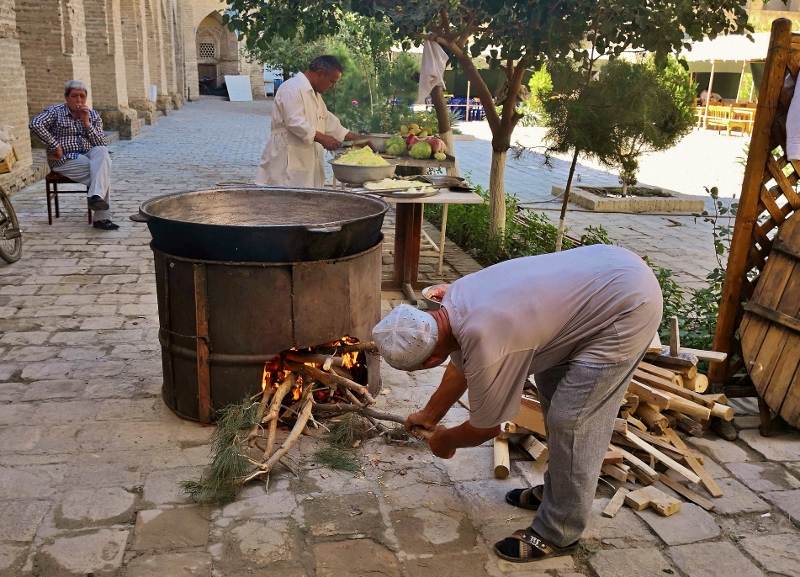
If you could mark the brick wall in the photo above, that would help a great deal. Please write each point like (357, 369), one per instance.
(106, 54)
(12, 88)
(135, 48)
(52, 39)
(158, 74)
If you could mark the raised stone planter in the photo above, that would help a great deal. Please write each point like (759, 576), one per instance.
(671, 202)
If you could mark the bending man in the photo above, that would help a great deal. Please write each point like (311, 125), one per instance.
(580, 322)
(301, 128)
(77, 148)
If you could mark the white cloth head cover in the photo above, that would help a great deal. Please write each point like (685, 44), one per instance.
(406, 337)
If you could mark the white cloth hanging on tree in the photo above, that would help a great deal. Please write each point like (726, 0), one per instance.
(431, 74)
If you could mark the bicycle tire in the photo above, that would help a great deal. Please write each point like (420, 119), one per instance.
(10, 248)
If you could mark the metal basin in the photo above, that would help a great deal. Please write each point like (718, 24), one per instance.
(264, 224)
(357, 174)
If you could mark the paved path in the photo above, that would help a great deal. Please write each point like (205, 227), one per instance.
(90, 457)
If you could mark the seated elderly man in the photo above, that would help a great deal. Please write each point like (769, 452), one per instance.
(77, 148)
(580, 322)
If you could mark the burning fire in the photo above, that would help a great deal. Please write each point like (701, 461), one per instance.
(326, 356)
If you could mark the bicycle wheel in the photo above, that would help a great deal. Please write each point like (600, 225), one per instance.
(10, 234)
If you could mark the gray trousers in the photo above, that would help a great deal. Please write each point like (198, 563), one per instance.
(94, 170)
(579, 403)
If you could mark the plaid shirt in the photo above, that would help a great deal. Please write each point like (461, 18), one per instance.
(57, 127)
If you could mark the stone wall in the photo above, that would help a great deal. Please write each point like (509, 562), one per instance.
(52, 39)
(119, 48)
(12, 91)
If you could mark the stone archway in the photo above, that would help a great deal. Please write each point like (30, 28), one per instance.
(217, 53)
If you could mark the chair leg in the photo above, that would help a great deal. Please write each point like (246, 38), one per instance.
(88, 210)
(55, 199)
(49, 203)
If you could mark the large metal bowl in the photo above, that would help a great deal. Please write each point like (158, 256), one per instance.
(355, 174)
(264, 224)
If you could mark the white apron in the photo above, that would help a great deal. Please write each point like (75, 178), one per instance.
(291, 157)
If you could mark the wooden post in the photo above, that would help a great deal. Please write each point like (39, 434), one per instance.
(709, 93)
(741, 241)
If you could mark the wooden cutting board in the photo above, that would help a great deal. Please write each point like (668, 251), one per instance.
(770, 328)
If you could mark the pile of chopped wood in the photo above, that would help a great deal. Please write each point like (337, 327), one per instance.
(666, 393)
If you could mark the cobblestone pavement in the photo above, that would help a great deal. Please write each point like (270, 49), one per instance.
(90, 457)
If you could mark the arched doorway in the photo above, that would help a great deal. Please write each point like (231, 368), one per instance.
(217, 54)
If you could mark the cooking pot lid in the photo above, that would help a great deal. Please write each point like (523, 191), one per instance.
(264, 206)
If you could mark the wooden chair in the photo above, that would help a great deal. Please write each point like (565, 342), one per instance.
(52, 180)
(767, 201)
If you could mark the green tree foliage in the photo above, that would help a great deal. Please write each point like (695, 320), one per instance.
(373, 78)
(517, 34)
(631, 108)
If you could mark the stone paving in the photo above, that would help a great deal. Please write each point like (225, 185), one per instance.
(90, 457)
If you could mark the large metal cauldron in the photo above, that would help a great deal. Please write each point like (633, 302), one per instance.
(221, 321)
(264, 224)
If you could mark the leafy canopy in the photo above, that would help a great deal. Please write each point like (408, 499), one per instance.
(631, 108)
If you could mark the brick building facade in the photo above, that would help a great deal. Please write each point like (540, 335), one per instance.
(140, 59)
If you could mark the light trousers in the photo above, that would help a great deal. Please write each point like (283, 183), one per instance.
(579, 403)
(94, 170)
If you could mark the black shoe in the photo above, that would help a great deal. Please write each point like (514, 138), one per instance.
(96, 202)
(105, 225)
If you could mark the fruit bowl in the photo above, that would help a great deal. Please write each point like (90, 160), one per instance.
(359, 174)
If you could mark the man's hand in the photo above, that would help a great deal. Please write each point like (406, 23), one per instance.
(328, 142)
(57, 154)
(439, 445)
(422, 420)
(84, 115)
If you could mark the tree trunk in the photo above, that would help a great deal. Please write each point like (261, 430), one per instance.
(443, 121)
(497, 196)
(563, 217)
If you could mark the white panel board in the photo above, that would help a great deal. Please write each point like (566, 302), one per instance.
(238, 88)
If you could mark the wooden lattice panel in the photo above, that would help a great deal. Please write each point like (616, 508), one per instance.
(768, 199)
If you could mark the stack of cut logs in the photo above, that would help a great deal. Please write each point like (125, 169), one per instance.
(665, 394)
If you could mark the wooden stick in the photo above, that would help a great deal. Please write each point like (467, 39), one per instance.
(366, 347)
(654, 420)
(698, 383)
(657, 371)
(313, 358)
(534, 448)
(502, 460)
(649, 394)
(688, 407)
(274, 408)
(615, 472)
(299, 425)
(329, 378)
(722, 411)
(688, 493)
(341, 408)
(262, 405)
(687, 424)
(635, 422)
(639, 464)
(671, 387)
(705, 478)
(674, 337)
(671, 463)
(615, 503)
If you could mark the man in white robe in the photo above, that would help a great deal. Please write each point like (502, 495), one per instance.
(301, 128)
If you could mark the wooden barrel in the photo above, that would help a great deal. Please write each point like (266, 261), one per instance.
(770, 328)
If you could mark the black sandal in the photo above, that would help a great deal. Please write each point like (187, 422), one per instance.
(529, 498)
(525, 546)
